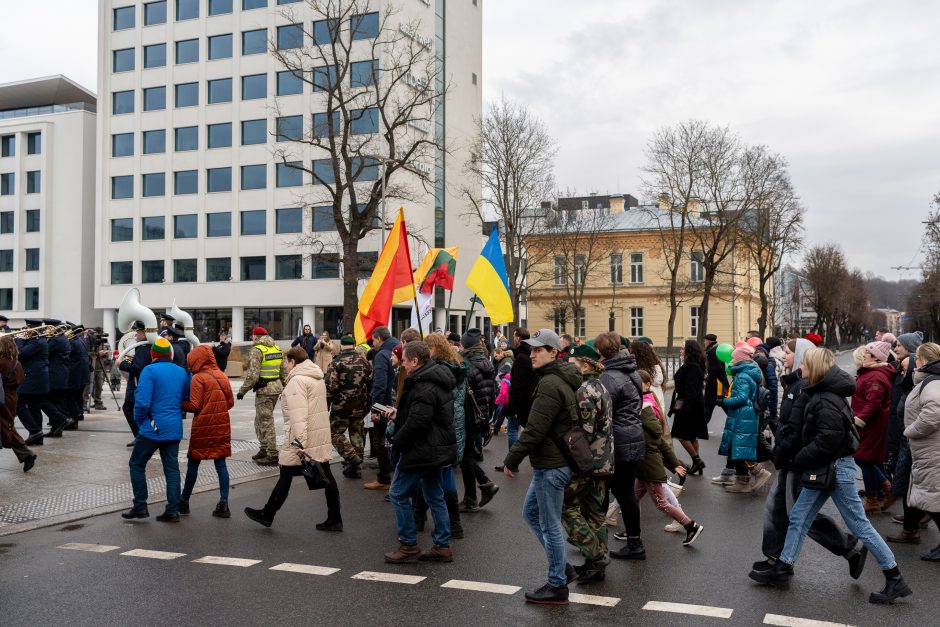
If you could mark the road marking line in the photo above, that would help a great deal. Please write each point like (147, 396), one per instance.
(368, 575)
(92, 548)
(308, 569)
(684, 608)
(481, 586)
(226, 561)
(792, 621)
(590, 599)
(157, 555)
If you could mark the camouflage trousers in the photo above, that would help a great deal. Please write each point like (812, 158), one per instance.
(264, 423)
(355, 444)
(583, 515)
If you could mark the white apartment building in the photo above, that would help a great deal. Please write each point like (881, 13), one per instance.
(192, 205)
(47, 200)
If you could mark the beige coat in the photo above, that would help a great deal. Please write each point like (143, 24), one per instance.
(922, 429)
(306, 415)
(325, 354)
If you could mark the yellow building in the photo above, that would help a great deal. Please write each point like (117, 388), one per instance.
(626, 287)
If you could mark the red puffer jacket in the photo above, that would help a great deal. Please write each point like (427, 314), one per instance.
(210, 398)
(871, 403)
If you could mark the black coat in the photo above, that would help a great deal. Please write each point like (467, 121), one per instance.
(306, 342)
(624, 384)
(79, 364)
(424, 425)
(716, 371)
(34, 357)
(523, 385)
(689, 422)
(59, 350)
(790, 424)
(902, 386)
(179, 354)
(482, 380)
(828, 431)
(221, 353)
(133, 369)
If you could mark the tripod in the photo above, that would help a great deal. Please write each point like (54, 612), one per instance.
(107, 379)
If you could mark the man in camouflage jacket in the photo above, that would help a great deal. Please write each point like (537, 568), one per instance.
(348, 381)
(265, 376)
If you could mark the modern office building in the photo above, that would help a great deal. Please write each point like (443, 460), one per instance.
(192, 204)
(47, 200)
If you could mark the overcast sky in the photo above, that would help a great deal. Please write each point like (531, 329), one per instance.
(848, 91)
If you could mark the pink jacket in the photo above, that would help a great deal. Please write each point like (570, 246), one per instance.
(502, 397)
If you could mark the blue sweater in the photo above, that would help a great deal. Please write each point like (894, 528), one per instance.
(161, 390)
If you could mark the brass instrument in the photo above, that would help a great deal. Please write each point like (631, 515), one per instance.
(73, 333)
(55, 330)
(26, 333)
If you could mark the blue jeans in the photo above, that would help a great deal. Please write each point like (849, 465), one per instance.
(144, 448)
(872, 476)
(845, 498)
(542, 510)
(512, 430)
(404, 484)
(192, 471)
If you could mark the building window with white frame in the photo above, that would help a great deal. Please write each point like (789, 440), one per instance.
(616, 269)
(580, 326)
(636, 321)
(560, 320)
(697, 267)
(636, 267)
(580, 270)
(694, 313)
(561, 271)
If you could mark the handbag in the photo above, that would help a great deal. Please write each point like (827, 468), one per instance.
(577, 450)
(311, 469)
(822, 478)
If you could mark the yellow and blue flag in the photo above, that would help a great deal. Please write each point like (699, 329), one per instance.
(489, 281)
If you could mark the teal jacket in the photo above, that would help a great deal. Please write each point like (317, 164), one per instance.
(739, 440)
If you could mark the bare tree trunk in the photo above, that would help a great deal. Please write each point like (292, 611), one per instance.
(350, 284)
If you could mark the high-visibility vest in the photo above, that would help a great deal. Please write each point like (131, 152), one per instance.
(271, 357)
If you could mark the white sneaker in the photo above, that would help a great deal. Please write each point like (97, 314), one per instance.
(723, 480)
(673, 527)
(760, 479)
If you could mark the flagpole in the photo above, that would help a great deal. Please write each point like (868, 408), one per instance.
(447, 309)
(473, 304)
(418, 315)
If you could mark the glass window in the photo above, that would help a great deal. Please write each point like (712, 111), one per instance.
(187, 51)
(122, 230)
(324, 77)
(254, 86)
(580, 270)
(155, 13)
(219, 179)
(154, 184)
(364, 26)
(697, 269)
(253, 222)
(185, 226)
(289, 174)
(324, 30)
(561, 271)
(187, 95)
(287, 267)
(288, 1)
(154, 98)
(364, 121)
(220, 7)
(560, 319)
(365, 169)
(153, 227)
(290, 36)
(6, 260)
(218, 268)
(184, 270)
(323, 218)
(289, 83)
(124, 17)
(187, 10)
(367, 263)
(7, 184)
(122, 60)
(152, 271)
(254, 132)
(219, 135)
(220, 90)
(323, 172)
(6, 298)
(253, 177)
(255, 41)
(289, 220)
(122, 144)
(321, 124)
(122, 272)
(6, 221)
(122, 187)
(253, 4)
(33, 143)
(254, 269)
(219, 224)
(290, 127)
(616, 268)
(636, 268)
(694, 313)
(220, 46)
(32, 259)
(32, 220)
(187, 138)
(7, 145)
(32, 298)
(154, 142)
(326, 266)
(122, 102)
(363, 73)
(155, 55)
(636, 321)
(185, 182)
(33, 182)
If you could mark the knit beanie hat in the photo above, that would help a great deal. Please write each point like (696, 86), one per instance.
(889, 338)
(161, 348)
(754, 342)
(879, 350)
(397, 351)
(742, 353)
(471, 338)
(911, 341)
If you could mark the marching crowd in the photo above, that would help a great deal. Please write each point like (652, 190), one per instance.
(591, 418)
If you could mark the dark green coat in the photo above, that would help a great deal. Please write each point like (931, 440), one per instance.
(659, 453)
(554, 407)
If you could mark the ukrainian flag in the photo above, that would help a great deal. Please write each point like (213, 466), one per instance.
(489, 281)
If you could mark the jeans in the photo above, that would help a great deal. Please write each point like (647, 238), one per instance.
(872, 475)
(192, 471)
(845, 497)
(512, 430)
(431, 481)
(823, 530)
(622, 485)
(144, 448)
(542, 510)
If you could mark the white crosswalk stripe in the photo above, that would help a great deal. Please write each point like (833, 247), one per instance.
(91, 548)
(226, 561)
(590, 599)
(368, 575)
(481, 586)
(685, 608)
(792, 621)
(307, 569)
(156, 555)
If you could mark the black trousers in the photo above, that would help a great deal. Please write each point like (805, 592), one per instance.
(622, 485)
(282, 489)
(913, 516)
(76, 404)
(470, 470)
(29, 409)
(381, 453)
(128, 409)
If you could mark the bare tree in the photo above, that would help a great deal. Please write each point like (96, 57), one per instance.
(923, 304)
(377, 87)
(513, 157)
(825, 273)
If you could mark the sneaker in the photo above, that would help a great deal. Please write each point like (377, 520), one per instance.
(674, 527)
(438, 554)
(547, 595)
(184, 508)
(405, 553)
(778, 575)
(621, 535)
(723, 480)
(691, 535)
(487, 492)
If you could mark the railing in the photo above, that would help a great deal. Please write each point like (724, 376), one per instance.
(27, 112)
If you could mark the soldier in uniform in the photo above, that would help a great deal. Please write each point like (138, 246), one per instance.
(173, 335)
(59, 351)
(33, 393)
(101, 360)
(265, 377)
(182, 339)
(4, 327)
(348, 381)
(133, 364)
(166, 321)
(79, 375)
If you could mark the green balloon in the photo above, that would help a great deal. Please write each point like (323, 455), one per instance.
(723, 352)
(728, 370)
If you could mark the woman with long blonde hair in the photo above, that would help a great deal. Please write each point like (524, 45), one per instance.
(11, 373)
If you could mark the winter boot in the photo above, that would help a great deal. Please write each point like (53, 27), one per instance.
(759, 476)
(890, 499)
(895, 587)
(453, 512)
(778, 576)
(405, 553)
(872, 505)
(857, 561)
(259, 516)
(593, 570)
(221, 510)
(697, 466)
(905, 537)
(633, 551)
(487, 492)
(334, 521)
(438, 554)
(723, 479)
(742, 485)
(612, 511)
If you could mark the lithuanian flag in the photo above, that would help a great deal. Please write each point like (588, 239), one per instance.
(489, 281)
(391, 282)
(437, 268)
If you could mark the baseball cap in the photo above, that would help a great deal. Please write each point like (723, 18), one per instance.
(545, 337)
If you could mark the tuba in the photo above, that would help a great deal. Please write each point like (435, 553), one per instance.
(132, 310)
(186, 320)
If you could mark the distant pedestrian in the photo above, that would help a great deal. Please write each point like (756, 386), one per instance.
(306, 340)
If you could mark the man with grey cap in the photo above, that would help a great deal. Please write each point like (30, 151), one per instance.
(903, 383)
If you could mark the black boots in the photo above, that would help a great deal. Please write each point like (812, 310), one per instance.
(221, 510)
(259, 516)
(592, 570)
(697, 466)
(334, 521)
(633, 551)
(453, 512)
(778, 575)
(895, 587)
(857, 561)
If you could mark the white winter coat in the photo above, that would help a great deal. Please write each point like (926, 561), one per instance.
(922, 429)
(306, 415)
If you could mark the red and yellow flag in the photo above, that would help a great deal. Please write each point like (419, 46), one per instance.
(391, 282)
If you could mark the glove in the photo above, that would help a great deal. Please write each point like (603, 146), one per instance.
(240, 395)
(859, 422)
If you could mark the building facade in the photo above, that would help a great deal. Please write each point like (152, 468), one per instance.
(47, 200)
(193, 204)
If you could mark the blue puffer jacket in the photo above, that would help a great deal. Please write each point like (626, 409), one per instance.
(161, 390)
(739, 440)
